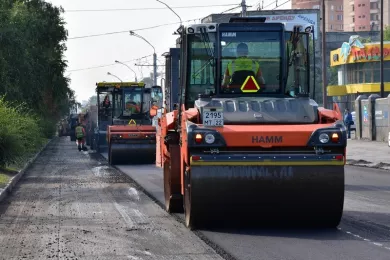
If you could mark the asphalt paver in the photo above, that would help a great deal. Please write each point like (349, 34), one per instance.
(71, 205)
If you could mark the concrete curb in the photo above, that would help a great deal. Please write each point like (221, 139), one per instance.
(16, 178)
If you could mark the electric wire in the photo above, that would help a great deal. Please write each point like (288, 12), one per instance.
(108, 65)
(146, 8)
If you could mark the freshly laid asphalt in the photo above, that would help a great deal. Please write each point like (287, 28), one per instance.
(363, 234)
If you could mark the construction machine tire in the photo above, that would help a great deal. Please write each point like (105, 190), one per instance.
(228, 195)
(173, 197)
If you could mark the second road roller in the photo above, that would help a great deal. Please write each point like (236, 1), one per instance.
(130, 135)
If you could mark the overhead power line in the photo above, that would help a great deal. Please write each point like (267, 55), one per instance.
(127, 31)
(145, 8)
(145, 28)
(112, 64)
(281, 4)
(108, 65)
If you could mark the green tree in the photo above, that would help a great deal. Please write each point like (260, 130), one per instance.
(386, 33)
(32, 65)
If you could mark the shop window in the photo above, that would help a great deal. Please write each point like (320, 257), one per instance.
(367, 72)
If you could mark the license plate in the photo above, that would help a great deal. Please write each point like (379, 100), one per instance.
(213, 117)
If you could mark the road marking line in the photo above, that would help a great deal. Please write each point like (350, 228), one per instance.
(365, 239)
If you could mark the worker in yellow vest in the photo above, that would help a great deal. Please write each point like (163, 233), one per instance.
(240, 64)
(80, 136)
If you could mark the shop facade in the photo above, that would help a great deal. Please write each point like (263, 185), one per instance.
(358, 71)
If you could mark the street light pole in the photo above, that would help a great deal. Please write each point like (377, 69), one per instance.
(382, 76)
(154, 56)
(135, 74)
(324, 79)
(243, 6)
(171, 10)
(108, 73)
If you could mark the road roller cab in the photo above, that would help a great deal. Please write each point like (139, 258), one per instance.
(247, 140)
(131, 137)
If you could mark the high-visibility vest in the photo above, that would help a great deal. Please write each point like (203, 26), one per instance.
(243, 64)
(79, 132)
(133, 108)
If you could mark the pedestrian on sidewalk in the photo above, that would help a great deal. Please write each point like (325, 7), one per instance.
(80, 135)
(348, 121)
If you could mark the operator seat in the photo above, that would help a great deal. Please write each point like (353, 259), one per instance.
(239, 77)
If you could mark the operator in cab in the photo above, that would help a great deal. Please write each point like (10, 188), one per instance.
(106, 102)
(241, 63)
(132, 105)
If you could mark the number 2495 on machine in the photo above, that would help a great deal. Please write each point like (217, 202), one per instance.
(213, 117)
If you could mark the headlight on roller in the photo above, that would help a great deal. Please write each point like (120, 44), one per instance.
(209, 138)
(324, 138)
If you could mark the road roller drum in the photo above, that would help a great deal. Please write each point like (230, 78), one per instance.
(282, 195)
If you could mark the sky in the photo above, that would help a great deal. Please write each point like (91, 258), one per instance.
(86, 55)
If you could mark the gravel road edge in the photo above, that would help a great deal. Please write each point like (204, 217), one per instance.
(8, 189)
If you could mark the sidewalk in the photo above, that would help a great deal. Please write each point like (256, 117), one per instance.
(368, 153)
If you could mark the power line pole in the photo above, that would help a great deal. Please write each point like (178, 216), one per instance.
(382, 83)
(324, 79)
(243, 6)
(155, 69)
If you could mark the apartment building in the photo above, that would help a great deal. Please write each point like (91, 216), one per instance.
(364, 15)
(334, 12)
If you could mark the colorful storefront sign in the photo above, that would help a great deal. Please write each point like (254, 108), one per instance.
(354, 52)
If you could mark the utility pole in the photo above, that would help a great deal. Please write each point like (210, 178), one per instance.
(324, 79)
(382, 83)
(243, 6)
(155, 68)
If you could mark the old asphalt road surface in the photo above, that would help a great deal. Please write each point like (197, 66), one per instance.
(363, 234)
(70, 205)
